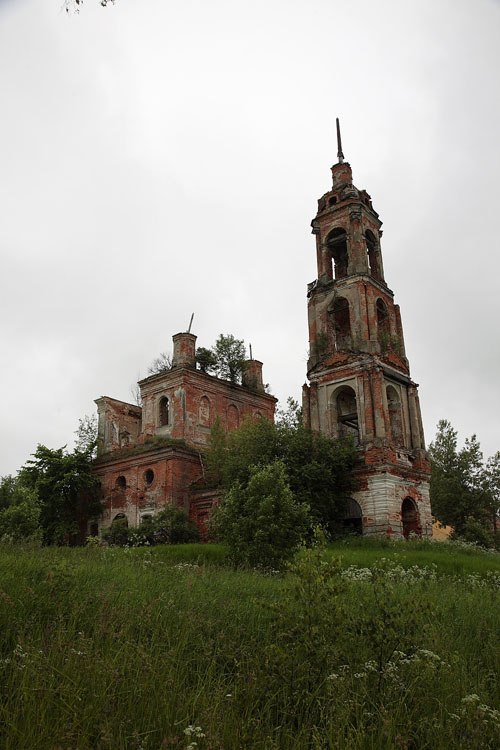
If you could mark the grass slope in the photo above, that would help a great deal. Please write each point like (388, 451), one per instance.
(396, 647)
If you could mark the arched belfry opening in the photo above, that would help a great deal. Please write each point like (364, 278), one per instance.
(358, 383)
(373, 255)
(341, 320)
(395, 415)
(337, 245)
(409, 518)
(383, 324)
(352, 522)
(164, 412)
(347, 413)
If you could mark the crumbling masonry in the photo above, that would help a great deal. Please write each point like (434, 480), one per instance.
(359, 385)
(359, 376)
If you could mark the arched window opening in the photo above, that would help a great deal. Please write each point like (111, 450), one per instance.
(204, 414)
(233, 418)
(149, 476)
(373, 254)
(121, 483)
(121, 517)
(353, 518)
(337, 244)
(347, 414)
(409, 518)
(383, 325)
(342, 323)
(164, 411)
(395, 415)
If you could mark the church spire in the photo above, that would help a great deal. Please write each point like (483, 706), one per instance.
(340, 155)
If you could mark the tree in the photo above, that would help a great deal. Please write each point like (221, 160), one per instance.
(162, 363)
(457, 487)
(86, 441)
(19, 511)
(291, 416)
(262, 523)
(318, 469)
(230, 356)
(75, 5)
(206, 359)
(68, 490)
(492, 488)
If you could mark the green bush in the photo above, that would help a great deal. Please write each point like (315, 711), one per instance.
(19, 512)
(262, 523)
(173, 526)
(169, 526)
(475, 533)
(118, 532)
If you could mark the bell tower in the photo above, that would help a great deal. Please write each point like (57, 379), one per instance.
(359, 376)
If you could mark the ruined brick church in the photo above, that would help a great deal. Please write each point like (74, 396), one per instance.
(359, 384)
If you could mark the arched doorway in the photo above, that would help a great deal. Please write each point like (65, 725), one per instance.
(353, 518)
(409, 518)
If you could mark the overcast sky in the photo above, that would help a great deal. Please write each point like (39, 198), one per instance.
(160, 158)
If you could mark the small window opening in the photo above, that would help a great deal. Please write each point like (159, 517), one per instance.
(409, 518)
(121, 517)
(342, 323)
(121, 483)
(347, 414)
(333, 200)
(395, 415)
(164, 411)
(383, 325)
(337, 244)
(373, 254)
(353, 518)
(149, 476)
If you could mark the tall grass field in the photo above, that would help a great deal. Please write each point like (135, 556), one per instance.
(363, 644)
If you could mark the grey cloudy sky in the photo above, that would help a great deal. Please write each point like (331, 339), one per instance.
(159, 158)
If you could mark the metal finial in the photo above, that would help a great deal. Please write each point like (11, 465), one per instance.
(251, 351)
(339, 143)
(190, 323)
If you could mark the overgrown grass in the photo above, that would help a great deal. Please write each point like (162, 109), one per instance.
(116, 648)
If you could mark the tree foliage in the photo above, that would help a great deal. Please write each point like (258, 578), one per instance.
(68, 491)
(19, 511)
(206, 359)
(318, 469)
(169, 526)
(261, 521)
(230, 356)
(86, 436)
(162, 363)
(464, 492)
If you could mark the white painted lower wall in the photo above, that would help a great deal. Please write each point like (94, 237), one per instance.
(381, 504)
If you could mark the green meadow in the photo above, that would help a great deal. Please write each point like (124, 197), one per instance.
(360, 645)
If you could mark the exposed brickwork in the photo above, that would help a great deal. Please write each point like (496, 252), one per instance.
(141, 467)
(358, 372)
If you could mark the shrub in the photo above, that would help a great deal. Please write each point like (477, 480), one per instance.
(261, 522)
(173, 526)
(19, 512)
(475, 533)
(118, 532)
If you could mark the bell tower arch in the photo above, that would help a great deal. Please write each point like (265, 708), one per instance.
(358, 373)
